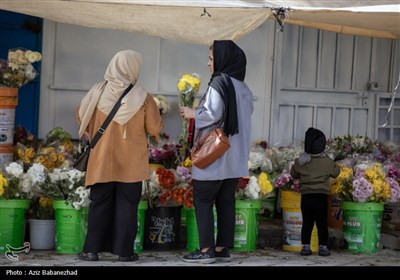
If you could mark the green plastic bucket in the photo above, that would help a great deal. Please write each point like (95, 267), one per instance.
(12, 222)
(246, 225)
(192, 233)
(183, 216)
(362, 226)
(191, 230)
(267, 211)
(71, 227)
(138, 247)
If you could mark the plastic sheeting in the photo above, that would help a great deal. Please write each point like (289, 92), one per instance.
(201, 22)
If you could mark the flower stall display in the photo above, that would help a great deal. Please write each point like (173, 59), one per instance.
(15, 192)
(165, 191)
(263, 162)
(254, 187)
(18, 70)
(249, 194)
(285, 181)
(55, 151)
(163, 153)
(166, 188)
(41, 208)
(41, 224)
(364, 186)
(344, 146)
(70, 201)
(63, 184)
(15, 72)
(15, 184)
(259, 162)
(286, 155)
(366, 181)
(188, 87)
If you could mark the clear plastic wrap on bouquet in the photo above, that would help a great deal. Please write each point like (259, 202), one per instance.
(188, 87)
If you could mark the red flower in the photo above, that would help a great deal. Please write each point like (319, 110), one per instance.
(242, 183)
(166, 178)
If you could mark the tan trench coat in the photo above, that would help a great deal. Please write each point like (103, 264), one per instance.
(123, 160)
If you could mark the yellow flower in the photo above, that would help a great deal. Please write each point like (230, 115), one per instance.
(264, 183)
(345, 173)
(187, 162)
(189, 82)
(3, 183)
(45, 202)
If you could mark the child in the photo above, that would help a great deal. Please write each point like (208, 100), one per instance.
(314, 169)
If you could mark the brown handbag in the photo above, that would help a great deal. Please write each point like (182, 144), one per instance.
(209, 148)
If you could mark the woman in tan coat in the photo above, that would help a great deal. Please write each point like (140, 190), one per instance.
(119, 162)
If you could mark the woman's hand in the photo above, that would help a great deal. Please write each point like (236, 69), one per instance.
(186, 112)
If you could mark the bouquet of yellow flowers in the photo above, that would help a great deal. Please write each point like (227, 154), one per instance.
(188, 87)
(54, 152)
(17, 70)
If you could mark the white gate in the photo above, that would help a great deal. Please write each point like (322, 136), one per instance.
(329, 81)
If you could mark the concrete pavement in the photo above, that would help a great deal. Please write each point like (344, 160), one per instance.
(268, 256)
(258, 258)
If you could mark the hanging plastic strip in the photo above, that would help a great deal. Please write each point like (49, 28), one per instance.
(391, 103)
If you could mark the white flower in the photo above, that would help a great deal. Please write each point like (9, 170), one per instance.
(162, 104)
(17, 70)
(253, 190)
(255, 160)
(36, 174)
(14, 169)
(26, 184)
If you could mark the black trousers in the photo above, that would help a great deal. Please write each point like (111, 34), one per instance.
(222, 193)
(112, 220)
(314, 208)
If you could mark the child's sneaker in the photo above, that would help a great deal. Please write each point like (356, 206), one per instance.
(223, 255)
(323, 251)
(200, 257)
(306, 250)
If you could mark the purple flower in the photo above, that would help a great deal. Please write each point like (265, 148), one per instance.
(184, 172)
(394, 189)
(362, 190)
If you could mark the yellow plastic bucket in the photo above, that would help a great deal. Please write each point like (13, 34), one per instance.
(335, 212)
(292, 223)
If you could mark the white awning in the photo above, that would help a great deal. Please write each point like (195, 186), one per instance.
(201, 22)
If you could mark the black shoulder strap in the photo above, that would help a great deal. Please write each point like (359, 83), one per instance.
(102, 129)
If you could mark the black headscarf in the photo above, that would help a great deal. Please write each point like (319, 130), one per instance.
(229, 61)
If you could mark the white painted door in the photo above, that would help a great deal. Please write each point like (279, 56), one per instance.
(329, 81)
